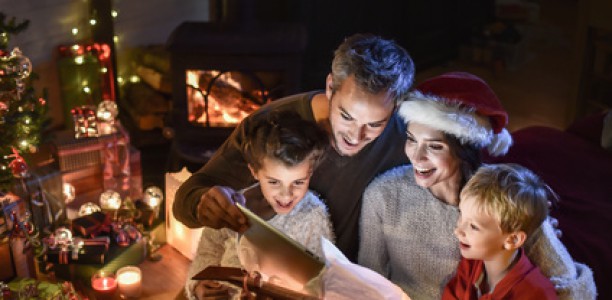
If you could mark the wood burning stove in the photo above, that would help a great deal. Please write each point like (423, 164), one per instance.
(223, 72)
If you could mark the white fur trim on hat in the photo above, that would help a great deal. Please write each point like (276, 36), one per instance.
(459, 121)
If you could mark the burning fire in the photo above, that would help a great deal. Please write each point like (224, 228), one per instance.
(231, 97)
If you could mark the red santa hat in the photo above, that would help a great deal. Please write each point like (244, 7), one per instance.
(462, 105)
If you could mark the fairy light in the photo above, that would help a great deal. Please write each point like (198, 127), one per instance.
(87, 90)
(75, 31)
(134, 79)
(114, 13)
(103, 70)
(120, 79)
(23, 143)
(92, 22)
(79, 60)
(116, 39)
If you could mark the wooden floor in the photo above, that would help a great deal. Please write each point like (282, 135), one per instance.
(164, 279)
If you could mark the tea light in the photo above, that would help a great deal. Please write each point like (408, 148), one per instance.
(130, 282)
(104, 285)
(110, 200)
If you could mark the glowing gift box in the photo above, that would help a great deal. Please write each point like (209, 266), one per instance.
(179, 236)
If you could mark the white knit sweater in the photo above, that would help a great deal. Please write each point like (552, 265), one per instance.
(406, 234)
(306, 223)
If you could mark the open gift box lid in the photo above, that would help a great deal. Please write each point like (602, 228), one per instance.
(242, 278)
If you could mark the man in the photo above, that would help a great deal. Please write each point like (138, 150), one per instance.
(370, 75)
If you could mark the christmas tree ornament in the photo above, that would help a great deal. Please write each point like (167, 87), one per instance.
(23, 67)
(18, 165)
(69, 192)
(62, 236)
(110, 200)
(88, 209)
(153, 196)
(122, 238)
(107, 110)
(107, 115)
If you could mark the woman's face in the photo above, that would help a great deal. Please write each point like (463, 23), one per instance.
(283, 186)
(435, 166)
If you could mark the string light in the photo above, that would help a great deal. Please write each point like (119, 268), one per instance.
(92, 22)
(79, 60)
(75, 31)
(103, 70)
(114, 13)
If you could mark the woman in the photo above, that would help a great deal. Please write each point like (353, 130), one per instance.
(409, 213)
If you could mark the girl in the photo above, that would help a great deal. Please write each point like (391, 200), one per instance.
(282, 151)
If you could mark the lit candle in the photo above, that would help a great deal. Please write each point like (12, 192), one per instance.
(129, 279)
(104, 285)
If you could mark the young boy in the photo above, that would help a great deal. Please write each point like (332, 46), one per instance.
(282, 151)
(499, 207)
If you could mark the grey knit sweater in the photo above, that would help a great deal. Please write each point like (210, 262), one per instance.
(306, 223)
(406, 234)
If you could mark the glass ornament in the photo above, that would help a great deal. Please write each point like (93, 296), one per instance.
(107, 111)
(62, 236)
(153, 196)
(88, 209)
(110, 199)
(23, 68)
(69, 192)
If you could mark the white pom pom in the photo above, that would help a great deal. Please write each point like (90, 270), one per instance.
(500, 143)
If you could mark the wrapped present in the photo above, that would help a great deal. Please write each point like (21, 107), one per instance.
(85, 254)
(41, 192)
(85, 121)
(82, 63)
(92, 224)
(115, 258)
(93, 165)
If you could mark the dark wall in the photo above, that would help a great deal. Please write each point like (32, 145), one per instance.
(431, 30)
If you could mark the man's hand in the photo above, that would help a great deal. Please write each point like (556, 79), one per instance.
(217, 210)
(209, 290)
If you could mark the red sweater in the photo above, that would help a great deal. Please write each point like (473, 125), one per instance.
(523, 281)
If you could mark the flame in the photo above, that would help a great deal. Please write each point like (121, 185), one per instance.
(229, 109)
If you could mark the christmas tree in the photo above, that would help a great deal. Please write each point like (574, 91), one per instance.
(23, 115)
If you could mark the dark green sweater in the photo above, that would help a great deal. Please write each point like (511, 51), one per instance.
(339, 180)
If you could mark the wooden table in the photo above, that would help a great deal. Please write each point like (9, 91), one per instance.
(164, 279)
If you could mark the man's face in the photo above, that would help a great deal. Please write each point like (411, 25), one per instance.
(356, 117)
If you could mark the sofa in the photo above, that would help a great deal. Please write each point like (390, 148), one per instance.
(577, 167)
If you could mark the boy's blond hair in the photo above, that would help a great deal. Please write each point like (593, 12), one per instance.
(512, 194)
